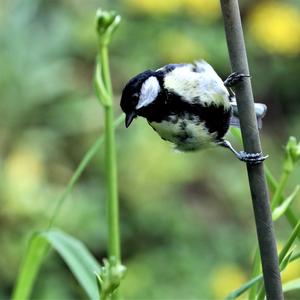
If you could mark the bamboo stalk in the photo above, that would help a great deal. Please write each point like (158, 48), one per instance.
(251, 141)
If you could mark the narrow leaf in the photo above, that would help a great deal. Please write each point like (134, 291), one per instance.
(286, 260)
(281, 209)
(290, 241)
(242, 289)
(292, 285)
(283, 254)
(35, 252)
(256, 270)
(236, 293)
(82, 264)
(78, 258)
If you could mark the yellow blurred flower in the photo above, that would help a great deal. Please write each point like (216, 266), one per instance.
(276, 27)
(186, 50)
(226, 278)
(153, 7)
(209, 9)
(24, 172)
(291, 272)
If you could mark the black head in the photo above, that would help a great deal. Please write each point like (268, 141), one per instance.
(138, 93)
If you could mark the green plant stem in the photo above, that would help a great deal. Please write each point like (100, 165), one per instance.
(111, 165)
(24, 282)
(105, 69)
(112, 189)
(82, 165)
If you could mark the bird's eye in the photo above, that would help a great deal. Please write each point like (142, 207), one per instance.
(135, 95)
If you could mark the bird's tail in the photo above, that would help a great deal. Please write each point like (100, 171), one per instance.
(260, 110)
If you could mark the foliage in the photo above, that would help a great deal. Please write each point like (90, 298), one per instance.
(72, 251)
(175, 208)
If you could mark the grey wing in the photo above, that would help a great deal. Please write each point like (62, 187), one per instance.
(260, 111)
(201, 66)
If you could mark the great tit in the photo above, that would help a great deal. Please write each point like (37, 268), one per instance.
(188, 105)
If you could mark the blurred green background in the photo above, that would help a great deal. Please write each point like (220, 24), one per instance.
(186, 219)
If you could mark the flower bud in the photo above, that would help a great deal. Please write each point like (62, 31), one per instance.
(110, 276)
(107, 22)
(292, 154)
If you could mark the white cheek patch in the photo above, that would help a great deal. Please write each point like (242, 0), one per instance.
(149, 92)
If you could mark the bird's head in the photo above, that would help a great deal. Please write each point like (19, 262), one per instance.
(139, 93)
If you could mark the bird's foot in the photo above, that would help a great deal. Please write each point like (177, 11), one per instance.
(234, 78)
(251, 158)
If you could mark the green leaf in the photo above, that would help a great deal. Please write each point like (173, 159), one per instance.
(281, 209)
(37, 247)
(283, 254)
(273, 185)
(243, 288)
(236, 293)
(286, 260)
(79, 260)
(256, 270)
(36, 251)
(291, 285)
(290, 241)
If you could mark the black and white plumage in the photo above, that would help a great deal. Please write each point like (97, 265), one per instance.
(187, 105)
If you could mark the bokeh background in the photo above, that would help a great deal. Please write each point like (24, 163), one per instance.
(186, 219)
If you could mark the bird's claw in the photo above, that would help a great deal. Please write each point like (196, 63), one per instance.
(252, 158)
(234, 78)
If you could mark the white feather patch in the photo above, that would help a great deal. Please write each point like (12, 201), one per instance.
(201, 86)
(149, 92)
(197, 135)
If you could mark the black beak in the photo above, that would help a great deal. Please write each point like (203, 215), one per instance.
(129, 118)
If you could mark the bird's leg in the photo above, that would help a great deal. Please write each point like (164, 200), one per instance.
(233, 79)
(249, 158)
(231, 94)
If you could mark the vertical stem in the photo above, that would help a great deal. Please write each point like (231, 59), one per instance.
(105, 69)
(251, 141)
(111, 183)
(276, 199)
(111, 166)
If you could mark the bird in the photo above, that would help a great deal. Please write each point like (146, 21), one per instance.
(188, 105)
